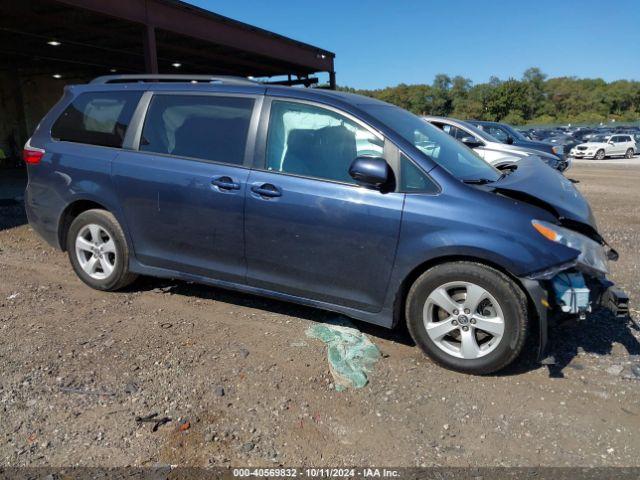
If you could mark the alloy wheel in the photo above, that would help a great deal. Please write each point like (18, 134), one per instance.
(96, 251)
(464, 320)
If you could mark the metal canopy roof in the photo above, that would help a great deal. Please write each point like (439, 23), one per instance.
(98, 37)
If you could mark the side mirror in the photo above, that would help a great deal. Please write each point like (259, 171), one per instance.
(471, 142)
(610, 142)
(370, 172)
(509, 140)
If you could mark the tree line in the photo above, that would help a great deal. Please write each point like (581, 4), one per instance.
(534, 99)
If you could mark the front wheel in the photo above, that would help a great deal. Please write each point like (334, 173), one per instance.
(467, 317)
(629, 153)
(600, 155)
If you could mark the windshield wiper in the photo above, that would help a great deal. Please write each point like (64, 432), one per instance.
(478, 181)
(484, 181)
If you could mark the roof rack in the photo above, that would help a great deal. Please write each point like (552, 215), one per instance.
(173, 78)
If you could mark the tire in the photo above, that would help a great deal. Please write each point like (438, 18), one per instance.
(600, 155)
(494, 350)
(104, 266)
(629, 153)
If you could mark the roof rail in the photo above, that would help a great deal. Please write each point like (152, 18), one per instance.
(173, 78)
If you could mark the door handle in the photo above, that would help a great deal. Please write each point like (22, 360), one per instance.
(266, 190)
(225, 183)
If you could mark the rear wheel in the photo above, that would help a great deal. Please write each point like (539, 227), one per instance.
(629, 153)
(600, 155)
(98, 251)
(467, 317)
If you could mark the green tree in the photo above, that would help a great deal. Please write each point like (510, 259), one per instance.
(534, 99)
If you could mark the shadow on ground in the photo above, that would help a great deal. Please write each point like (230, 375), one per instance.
(12, 214)
(597, 334)
(12, 184)
(176, 287)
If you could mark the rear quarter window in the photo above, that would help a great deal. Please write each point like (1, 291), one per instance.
(97, 118)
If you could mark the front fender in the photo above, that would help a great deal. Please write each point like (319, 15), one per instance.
(475, 226)
(480, 225)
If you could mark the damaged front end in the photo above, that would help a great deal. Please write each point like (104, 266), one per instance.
(573, 289)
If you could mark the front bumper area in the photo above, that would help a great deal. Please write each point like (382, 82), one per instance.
(616, 301)
(582, 154)
(552, 308)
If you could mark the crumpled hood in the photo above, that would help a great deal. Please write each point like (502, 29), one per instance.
(535, 183)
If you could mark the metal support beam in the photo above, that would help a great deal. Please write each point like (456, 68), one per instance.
(332, 80)
(185, 19)
(306, 81)
(150, 50)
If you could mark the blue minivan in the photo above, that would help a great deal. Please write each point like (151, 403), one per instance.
(318, 197)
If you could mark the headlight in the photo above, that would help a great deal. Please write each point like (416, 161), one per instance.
(592, 254)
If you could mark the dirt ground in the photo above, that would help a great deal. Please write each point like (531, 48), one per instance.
(242, 384)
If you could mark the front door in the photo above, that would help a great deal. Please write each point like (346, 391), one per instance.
(310, 231)
(183, 192)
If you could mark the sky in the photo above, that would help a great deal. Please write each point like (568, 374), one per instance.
(381, 43)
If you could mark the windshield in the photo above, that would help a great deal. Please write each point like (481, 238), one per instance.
(454, 157)
(479, 133)
(598, 138)
(514, 133)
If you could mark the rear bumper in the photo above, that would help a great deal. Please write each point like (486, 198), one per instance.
(41, 223)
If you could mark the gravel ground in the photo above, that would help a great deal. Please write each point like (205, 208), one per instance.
(233, 380)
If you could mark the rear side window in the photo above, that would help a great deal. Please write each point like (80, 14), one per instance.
(97, 118)
(206, 127)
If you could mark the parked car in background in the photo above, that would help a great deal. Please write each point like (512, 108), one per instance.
(600, 132)
(582, 134)
(490, 148)
(564, 140)
(509, 135)
(602, 146)
(324, 198)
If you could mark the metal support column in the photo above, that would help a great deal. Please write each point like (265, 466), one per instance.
(332, 80)
(150, 50)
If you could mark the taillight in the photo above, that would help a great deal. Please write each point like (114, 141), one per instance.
(32, 155)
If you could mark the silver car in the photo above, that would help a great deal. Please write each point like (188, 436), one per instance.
(490, 148)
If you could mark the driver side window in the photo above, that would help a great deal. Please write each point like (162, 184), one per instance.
(316, 142)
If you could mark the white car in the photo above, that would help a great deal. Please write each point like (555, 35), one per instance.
(601, 146)
(490, 148)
